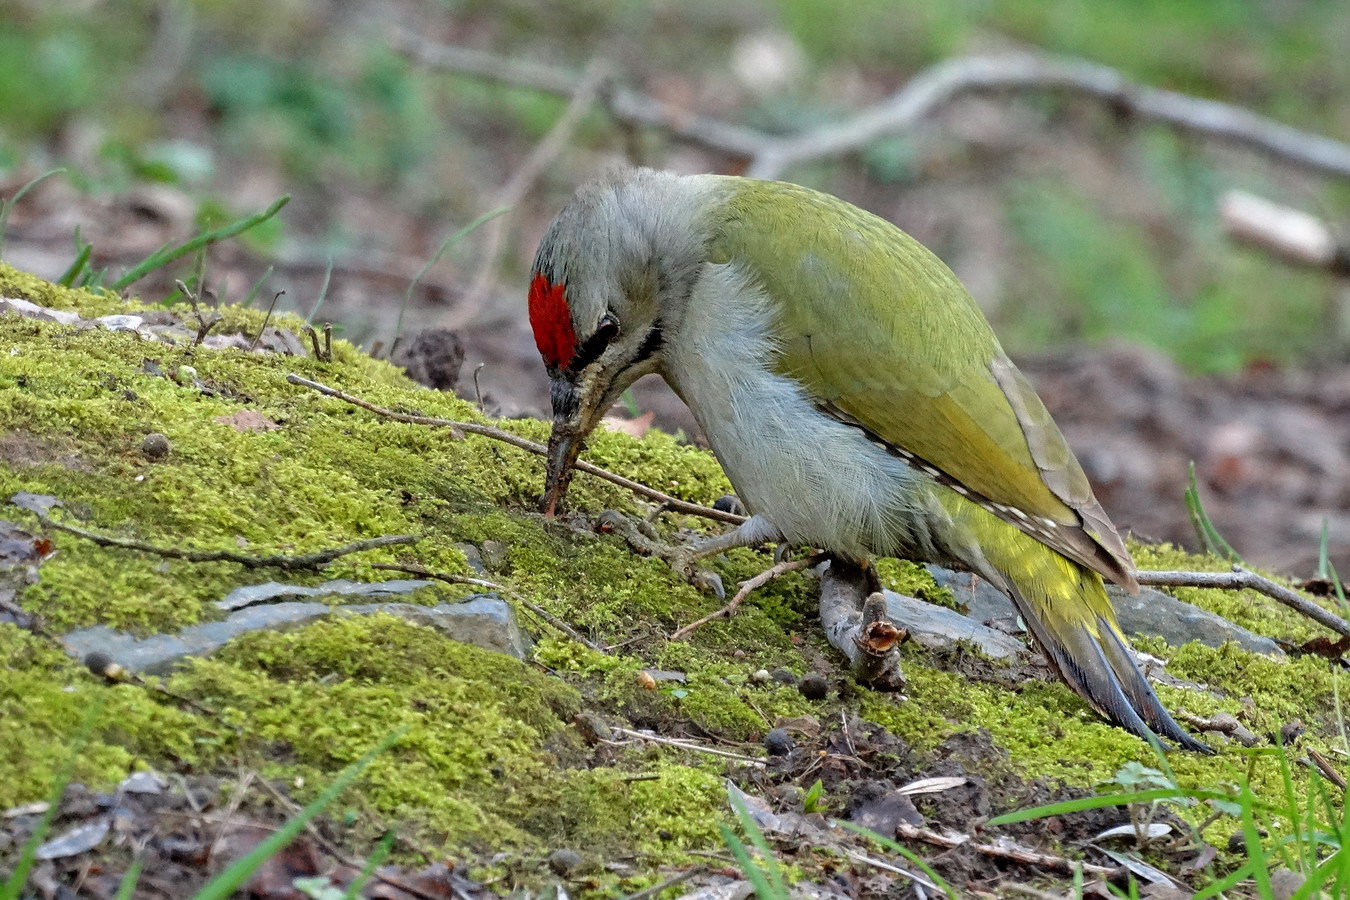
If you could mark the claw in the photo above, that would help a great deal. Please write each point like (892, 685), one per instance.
(684, 561)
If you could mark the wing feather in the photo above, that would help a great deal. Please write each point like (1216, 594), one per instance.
(915, 365)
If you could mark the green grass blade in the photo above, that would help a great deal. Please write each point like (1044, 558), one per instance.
(1210, 539)
(83, 249)
(1322, 554)
(377, 856)
(323, 291)
(1229, 881)
(896, 847)
(751, 828)
(164, 256)
(7, 205)
(1097, 801)
(257, 286)
(228, 881)
(1251, 835)
(753, 873)
(454, 238)
(127, 888)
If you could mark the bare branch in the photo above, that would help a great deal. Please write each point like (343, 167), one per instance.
(855, 624)
(506, 437)
(306, 561)
(1241, 578)
(520, 183)
(938, 85)
(625, 105)
(1291, 234)
(923, 95)
(998, 851)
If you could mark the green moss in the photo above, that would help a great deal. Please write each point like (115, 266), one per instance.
(491, 757)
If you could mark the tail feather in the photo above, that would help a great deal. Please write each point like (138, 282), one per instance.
(1065, 606)
(1101, 671)
(1140, 692)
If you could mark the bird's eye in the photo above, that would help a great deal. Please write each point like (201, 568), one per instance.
(605, 332)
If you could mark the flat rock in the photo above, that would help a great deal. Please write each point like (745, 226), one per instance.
(1153, 612)
(1150, 612)
(484, 620)
(937, 627)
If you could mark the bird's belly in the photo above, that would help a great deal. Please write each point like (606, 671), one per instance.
(818, 481)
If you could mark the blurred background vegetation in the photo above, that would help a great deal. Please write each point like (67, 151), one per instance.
(1068, 223)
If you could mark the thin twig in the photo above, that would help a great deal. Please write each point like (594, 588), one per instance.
(520, 183)
(266, 320)
(922, 96)
(750, 584)
(890, 867)
(535, 608)
(305, 561)
(625, 105)
(683, 745)
(1020, 854)
(1240, 578)
(506, 437)
(673, 880)
(204, 325)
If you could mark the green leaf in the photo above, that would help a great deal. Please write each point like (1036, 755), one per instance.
(1210, 540)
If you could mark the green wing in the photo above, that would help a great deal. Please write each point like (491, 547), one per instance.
(883, 335)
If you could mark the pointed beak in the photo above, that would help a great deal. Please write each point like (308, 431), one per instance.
(564, 443)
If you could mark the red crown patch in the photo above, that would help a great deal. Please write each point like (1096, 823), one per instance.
(551, 320)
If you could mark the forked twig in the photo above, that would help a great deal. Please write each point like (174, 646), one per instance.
(506, 437)
(750, 584)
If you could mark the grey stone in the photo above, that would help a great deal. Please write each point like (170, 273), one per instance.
(484, 620)
(472, 556)
(937, 627)
(1155, 613)
(983, 602)
(1150, 612)
(252, 594)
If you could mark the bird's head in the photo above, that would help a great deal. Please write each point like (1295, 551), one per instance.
(610, 282)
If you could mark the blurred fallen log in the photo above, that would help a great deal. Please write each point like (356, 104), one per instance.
(1290, 234)
(770, 156)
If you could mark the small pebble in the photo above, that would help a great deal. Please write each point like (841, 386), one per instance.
(778, 742)
(738, 654)
(593, 728)
(783, 676)
(155, 445)
(813, 686)
(760, 676)
(563, 861)
(185, 374)
(729, 503)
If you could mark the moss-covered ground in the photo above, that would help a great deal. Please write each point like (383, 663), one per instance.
(495, 757)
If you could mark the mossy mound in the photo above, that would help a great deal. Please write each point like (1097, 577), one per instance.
(494, 757)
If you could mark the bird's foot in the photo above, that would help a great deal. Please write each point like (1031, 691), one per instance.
(683, 560)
